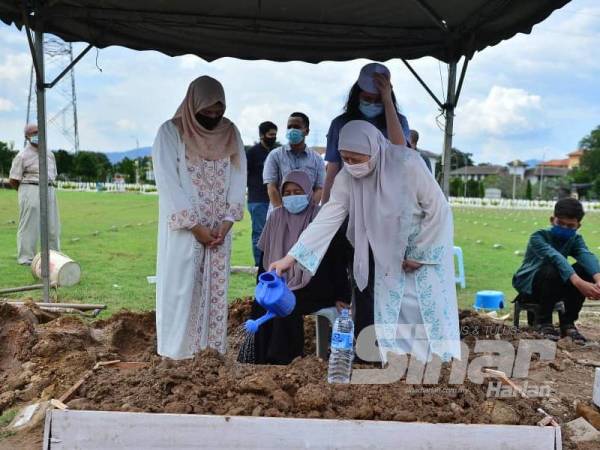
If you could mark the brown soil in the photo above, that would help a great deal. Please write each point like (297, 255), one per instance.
(41, 357)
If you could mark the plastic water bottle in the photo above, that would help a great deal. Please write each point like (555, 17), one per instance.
(342, 349)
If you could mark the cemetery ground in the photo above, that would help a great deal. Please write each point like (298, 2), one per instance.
(113, 237)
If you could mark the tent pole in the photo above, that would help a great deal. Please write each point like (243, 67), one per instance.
(43, 160)
(449, 128)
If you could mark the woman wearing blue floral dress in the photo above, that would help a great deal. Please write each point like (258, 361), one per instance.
(400, 225)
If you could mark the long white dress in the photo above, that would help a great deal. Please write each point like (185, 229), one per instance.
(192, 281)
(424, 299)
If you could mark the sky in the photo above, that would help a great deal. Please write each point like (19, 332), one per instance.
(531, 97)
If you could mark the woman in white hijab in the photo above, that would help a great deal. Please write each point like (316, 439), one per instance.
(200, 169)
(400, 225)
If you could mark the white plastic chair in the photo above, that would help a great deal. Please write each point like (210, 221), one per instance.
(460, 277)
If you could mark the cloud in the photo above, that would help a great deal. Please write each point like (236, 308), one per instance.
(126, 124)
(505, 112)
(6, 105)
(15, 66)
(524, 95)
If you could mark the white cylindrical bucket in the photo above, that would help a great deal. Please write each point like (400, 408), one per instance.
(63, 270)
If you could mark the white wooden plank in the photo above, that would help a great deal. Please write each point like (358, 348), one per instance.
(119, 430)
(596, 391)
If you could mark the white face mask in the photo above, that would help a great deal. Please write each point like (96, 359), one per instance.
(359, 170)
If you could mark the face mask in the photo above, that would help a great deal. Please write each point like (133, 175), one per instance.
(295, 136)
(295, 203)
(269, 142)
(34, 139)
(562, 232)
(208, 122)
(370, 110)
(359, 170)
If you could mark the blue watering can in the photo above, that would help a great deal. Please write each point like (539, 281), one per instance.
(272, 294)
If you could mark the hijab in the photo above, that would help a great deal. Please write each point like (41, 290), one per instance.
(221, 142)
(284, 228)
(378, 213)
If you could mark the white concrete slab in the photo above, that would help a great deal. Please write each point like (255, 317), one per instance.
(119, 430)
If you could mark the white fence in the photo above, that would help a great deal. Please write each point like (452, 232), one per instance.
(106, 187)
(513, 204)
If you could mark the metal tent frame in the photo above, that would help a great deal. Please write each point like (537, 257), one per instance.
(447, 106)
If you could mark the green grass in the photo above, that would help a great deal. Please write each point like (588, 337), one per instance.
(7, 416)
(115, 263)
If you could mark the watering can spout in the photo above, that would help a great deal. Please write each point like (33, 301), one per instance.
(252, 326)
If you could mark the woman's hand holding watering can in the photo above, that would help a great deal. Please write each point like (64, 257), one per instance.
(283, 265)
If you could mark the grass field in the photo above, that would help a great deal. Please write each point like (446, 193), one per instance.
(113, 237)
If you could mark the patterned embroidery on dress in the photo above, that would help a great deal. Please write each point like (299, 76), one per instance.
(305, 256)
(431, 255)
(207, 324)
(186, 218)
(236, 210)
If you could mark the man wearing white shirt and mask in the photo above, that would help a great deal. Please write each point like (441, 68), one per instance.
(24, 176)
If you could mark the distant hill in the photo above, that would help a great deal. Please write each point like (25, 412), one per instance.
(115, 157)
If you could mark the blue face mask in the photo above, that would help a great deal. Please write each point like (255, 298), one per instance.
(562, 233)
(295, 136)
(295, 203)
(370, 110)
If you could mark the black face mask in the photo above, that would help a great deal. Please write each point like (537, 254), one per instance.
(269, 141)
(208, 122)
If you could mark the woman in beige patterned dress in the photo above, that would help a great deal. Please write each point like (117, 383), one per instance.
(200, 170)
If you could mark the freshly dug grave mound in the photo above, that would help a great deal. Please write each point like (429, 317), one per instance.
(42, 360)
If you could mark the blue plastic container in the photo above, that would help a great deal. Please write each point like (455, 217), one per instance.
(489, 300)
(272, 294)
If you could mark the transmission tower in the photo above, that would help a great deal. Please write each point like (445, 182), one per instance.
(63, 118)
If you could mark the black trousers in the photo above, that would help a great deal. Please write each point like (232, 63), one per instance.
(549, 288)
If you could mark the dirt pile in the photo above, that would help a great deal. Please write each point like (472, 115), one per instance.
(41, 357)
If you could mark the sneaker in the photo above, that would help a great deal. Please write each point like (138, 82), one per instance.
(572, 332)
(549, 331)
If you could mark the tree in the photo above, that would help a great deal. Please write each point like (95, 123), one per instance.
(65, 163)
(7, 154)
(472, 188)
(528, 191)
(589, 168)
(91, 166)
(481, 189)
(456, 187)
(458, 159)
(126, 167)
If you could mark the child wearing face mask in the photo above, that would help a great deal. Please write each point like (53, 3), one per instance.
(546, 276)
(281, 340)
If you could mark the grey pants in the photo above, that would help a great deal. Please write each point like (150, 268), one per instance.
(28, 233)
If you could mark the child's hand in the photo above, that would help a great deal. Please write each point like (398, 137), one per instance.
(283, 265)
(340, 304)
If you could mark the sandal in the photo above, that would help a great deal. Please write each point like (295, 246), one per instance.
(549, 332)
(572, 332)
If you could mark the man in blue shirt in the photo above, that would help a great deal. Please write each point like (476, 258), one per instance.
(295, 155)
(546, 277)
(258, 198)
